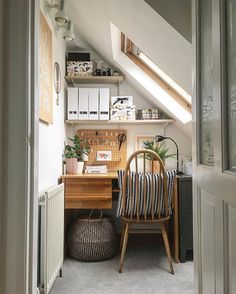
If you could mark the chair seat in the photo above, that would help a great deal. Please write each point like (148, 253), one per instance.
(142, 220)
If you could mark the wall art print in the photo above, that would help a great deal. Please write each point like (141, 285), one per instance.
(45, 72)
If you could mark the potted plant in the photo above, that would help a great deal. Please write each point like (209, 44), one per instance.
(70, 159)
(160, 150)
(82, 150)
(76, 153)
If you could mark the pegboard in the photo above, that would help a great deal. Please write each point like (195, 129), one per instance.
(106, 140)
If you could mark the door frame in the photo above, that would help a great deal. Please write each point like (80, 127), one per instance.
(19, 25)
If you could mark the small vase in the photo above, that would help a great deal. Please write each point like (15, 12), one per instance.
(85, 157)
(71, 165)
(80, 166)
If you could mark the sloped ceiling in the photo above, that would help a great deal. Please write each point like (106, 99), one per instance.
(146, 28)
(180, 19)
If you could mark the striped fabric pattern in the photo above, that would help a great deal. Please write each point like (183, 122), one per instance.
(132, 198)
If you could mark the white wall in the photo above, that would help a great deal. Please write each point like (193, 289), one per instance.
(173, 130)
(52, 137)
(125, 87)
(185, 146)
(146, 28)
(155, 36)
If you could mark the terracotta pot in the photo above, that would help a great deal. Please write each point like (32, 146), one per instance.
(71, 165)
(156, 166)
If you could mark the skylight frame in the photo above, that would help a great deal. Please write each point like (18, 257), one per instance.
(164, 83)
(164, 76)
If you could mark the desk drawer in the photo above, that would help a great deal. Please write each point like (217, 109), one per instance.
(88, 193)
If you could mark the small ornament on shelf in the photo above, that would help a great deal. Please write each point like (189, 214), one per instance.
(150, 114)
(122, 108)
(79, 68)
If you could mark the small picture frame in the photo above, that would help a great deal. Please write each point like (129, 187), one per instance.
(104, 155)
(140, 139)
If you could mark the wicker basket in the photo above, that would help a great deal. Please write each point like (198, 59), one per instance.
(92, 239)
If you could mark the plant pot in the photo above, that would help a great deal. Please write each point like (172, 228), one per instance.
(156, 166)
(80, 166)
(71, 165)
(85, 157)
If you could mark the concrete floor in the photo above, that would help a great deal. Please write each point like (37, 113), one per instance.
(146, 271)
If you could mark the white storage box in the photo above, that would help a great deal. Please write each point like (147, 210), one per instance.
(83, 103)
(93, 103)
(79, 68)
(72, 103)
(104, 104)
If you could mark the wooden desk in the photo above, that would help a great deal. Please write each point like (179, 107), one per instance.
(88, 190)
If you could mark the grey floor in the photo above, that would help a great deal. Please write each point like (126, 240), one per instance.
(146, 271)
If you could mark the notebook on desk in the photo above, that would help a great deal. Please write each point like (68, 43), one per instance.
(96, 169)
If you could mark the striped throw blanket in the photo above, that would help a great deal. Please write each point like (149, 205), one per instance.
(131, 206)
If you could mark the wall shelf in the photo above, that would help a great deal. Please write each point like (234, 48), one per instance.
(72, 81)
(119, 122)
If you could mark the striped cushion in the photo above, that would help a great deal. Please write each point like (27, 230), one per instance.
(132, 207)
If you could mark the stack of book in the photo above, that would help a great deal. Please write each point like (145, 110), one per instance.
(100, 169)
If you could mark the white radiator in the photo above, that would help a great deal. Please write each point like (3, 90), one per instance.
(52, 236)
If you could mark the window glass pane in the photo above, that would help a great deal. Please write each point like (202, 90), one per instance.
(231, 80)
(205, 85)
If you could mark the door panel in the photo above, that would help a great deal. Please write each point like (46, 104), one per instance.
(230, 24)
(214, 182)
(208, 242)
(211, 242)
(206, 113)
(231, 248)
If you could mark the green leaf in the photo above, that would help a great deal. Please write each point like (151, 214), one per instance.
(159, 150)
(79, 148)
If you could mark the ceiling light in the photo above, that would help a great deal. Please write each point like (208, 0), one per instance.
(61, 18)
(69, 34)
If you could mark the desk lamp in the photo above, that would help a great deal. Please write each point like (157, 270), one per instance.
(160, 138)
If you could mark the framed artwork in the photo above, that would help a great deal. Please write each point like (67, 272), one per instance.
(104, 155)
(141, 139)
(45, 72)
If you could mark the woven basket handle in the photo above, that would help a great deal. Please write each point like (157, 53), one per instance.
(91, 213)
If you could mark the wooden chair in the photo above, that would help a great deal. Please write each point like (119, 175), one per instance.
(158, 212)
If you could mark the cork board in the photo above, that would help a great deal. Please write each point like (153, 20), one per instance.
(45, 72)
(106, 140)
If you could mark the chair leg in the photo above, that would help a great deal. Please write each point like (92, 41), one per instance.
(122, 236)
(167, 247)
(124, 246)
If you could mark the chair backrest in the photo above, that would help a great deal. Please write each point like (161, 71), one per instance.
(144, 188)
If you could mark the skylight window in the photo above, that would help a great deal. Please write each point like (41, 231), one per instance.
(154, 80)
(157, 82)
(164, 76)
